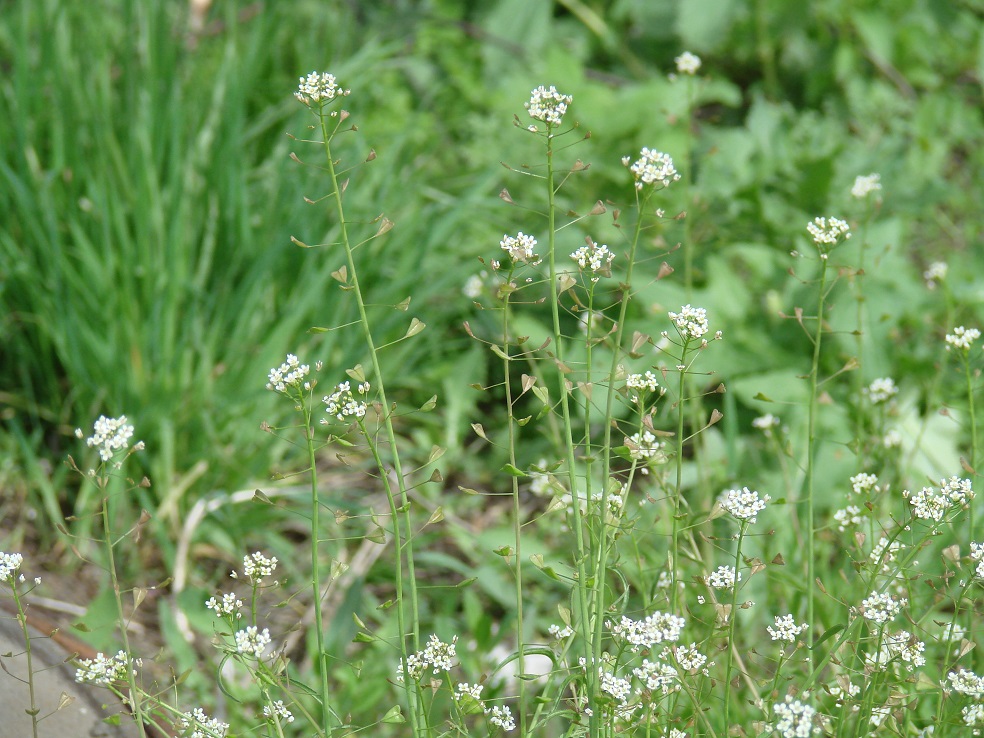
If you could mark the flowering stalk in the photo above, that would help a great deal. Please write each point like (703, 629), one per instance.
(9, 565)
(317, 96)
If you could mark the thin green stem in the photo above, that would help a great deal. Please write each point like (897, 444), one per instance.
(22, 621)
(731, 631)
(677, 494)
(134, 699)
(404, 539)
(811, 460)
(581, 595)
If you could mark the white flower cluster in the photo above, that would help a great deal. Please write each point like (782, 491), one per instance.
(881, 390)
(109, 436)
(289, 374)
(646, 633)
(548, 105)
(887, 549)
(251, 641)
(898, 647)
(103, 670)
(656, 675)
(256, 566)
(520, 247)
(935, 273)
(560, 633)
(687, 63)
(744, 504)
(786, 629)
(828, 231)
(593, 256)
(615, 686)
(319, 87)
(794, 719)
(472, 690)
(437, 656)
(967, 682)
(643, 446)
(643, 382)
(228, 605)
(691, 322)
(342, 403)
(882, 607)
(977, 554)
(724, 577)
(848, 516)
(766, 423)
(973, 715)
(500, 716)
(9, 565)
(865, 484)
(962, 338)
(653, 167)
(865, 185)
(279, 711)
(204, 726)
(928, 504)
(690, 659)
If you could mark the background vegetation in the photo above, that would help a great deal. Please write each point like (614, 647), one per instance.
(148, 201)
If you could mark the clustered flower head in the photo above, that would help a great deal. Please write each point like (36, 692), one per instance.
(744, 504)
(865, 484)
(289, 374)
(882, 607)
(500, 716)
(794, 719)
(204, 726)
(786, 629)
(865, 185)
(229, 605)
(901, 647)
(828, 231)
(977, 554)
(962, 338)
(593, 257)
(560, 633)
(847, 517)
(548, 105)
(278, 711)
(437, 656)
(687, 63)
(928, 504)
(642, 382)
(691, 322)
(646, 633)
(724, 577)
(251, 641)
(9, 565)
(256, 566)
(643, 446)
(935, 273)
(653, 167)
(766, 423)
(657, 676)
(881, 390)
(320, 88)
(885, 551)
(103, 670)
(967, 682)
(342, 403)
(109, 436)
(520, 247)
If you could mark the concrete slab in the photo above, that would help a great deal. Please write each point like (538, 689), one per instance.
(83, 707)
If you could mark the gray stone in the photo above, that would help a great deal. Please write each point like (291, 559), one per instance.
(84, 707)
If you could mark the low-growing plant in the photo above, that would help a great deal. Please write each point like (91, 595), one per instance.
(687, 602)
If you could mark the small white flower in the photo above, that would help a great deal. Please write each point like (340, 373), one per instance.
(724, 577)
(643, 446)
(646, 633)
(289, 374)
(593, 257)
(865, 185)
(794, 719)
(881, 390)
(342, 403)
(962, 338)
(204, 726)
(967, 682)
(319, 88)
(766, 423)
(653, 167)
(687, 63)
(935, 273)
(256, 566)
(882, 607)
(828, 231)
(279, 711)
(228, 605)
(560, 633)
(472, 690)
(109, 436)
(865, 484)
(657, 676)
(520, 247)
(744, 504)
(548, 105)
(9, 565)
(786, 629)
(251, 641)
(103, 670)
(500, 716)
(691, 322)
(642, 382)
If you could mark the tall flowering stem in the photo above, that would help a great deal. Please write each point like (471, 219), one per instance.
(9, 566)
(402, 534)
(826, 234)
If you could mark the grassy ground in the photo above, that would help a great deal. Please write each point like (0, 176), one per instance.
(152, 263)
